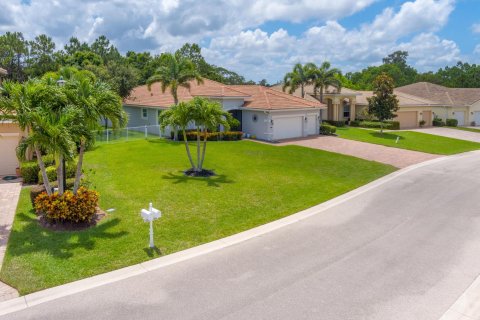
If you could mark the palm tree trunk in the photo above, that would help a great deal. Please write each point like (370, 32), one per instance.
(303, 90)
(321, 94)
(78, 173)
(46, 183)
(198, 149)
(188, 149)
(203, 153)
(175, 128)
(61, 187)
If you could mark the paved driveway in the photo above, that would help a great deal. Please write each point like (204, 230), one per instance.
(451, 133)
(399, 158)
(404, 250)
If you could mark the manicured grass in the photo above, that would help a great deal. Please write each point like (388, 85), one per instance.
(255, 184)
(465, 129)
(410, 140)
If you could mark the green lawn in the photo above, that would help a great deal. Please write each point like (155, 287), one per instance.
(255, 184)
(409, 140)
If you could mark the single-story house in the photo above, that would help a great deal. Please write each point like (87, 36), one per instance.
(10, 135)
(262, 112)
(417, 102)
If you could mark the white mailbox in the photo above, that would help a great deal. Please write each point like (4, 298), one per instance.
(149, 216)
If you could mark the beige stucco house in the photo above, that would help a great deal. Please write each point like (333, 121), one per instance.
(417, 102)
(10, 135)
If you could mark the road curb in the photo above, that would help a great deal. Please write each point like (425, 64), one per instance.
(50, 294)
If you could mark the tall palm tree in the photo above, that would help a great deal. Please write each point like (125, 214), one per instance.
(175, 72)
(22, 104)
(325, 76)
(299, 77)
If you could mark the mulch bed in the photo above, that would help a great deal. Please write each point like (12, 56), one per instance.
(204, 173)
(72, 226)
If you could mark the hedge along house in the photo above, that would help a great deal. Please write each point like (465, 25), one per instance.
(10, 135)
(262, 112)
(418, 102)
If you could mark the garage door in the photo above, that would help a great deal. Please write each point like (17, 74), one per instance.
(8, 155)
(407, 119)
(460, 116)
(285, 128)
(427, 117)
(476, 118)
(311, 125)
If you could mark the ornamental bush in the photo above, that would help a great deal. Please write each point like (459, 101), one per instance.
(335, 123)
(452, 122)
(68, 207)
(327, 129)
(29, 171)
(70, 169)
(212, 136)
(437, 122)
(389, 125)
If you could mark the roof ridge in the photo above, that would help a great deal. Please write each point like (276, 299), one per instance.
(266, 98)
(449, 98)
(414, 97)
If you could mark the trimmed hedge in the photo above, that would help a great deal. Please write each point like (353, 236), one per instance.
(337, 124)
(452, 122)
(389, 125)
(70, 169)
(327, 129)
(30, 169)
(437, 122)
(212, 136)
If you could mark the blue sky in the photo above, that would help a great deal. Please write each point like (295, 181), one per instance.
(264, 38)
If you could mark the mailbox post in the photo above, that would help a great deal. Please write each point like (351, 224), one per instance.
(149, 216)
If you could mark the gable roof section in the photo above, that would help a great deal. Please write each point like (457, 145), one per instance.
(255, 96)
(442, 95)
(269, 99)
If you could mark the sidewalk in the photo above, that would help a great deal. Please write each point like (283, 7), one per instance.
(467, 307)
(9, 194)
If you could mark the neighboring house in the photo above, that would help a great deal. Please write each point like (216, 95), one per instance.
(265, 113)
(10, 135)
(417, 102)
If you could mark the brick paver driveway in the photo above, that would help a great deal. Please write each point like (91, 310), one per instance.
(451, 133)
(399, 158)
(9, 193)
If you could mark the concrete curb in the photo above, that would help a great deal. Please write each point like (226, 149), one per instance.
(50, 294)
(467, 307)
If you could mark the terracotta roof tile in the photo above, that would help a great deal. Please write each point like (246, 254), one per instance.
(442, 95)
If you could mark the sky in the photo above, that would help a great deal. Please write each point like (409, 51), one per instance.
(263, 39)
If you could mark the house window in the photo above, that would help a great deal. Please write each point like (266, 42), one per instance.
(144, 113)
(346, 111)
(254, 118)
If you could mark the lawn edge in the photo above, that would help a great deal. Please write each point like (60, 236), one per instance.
(53, 293)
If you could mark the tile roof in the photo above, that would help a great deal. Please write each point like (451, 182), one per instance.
(266, 98)
(255, 96)
(403, 99)
(442, 95)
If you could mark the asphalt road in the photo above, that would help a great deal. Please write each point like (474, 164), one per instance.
(405, 250)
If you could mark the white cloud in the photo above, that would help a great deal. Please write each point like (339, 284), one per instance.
(476, 28)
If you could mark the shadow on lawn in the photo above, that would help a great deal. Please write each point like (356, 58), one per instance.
(213, 181)
(60, 244)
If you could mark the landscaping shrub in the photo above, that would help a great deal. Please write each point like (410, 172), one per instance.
(37, 189)
(437, 122)
(68, 207)
(355, 123)
(327, 129)
(29, 171)
(335, 123)
(452, 122)
(212, 136)
(389, 125)
(232, 135)
(70, 169)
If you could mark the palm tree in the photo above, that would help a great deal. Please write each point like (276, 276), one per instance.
(179, 115)
(175, 72)
(323, 77)
(23, 104)
(299, 77)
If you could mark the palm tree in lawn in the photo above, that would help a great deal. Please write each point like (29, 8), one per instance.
(325, 76)
(179, 116)
(175, 72)
(208, 115)
(299, 77)
(94, 101)
(20, 103)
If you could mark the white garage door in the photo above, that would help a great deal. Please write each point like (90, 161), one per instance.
(476, 118)
(312, 125)
(8, 155)
(460, 116)
(288, 127)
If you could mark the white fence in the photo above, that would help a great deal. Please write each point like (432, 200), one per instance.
(129, 134)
